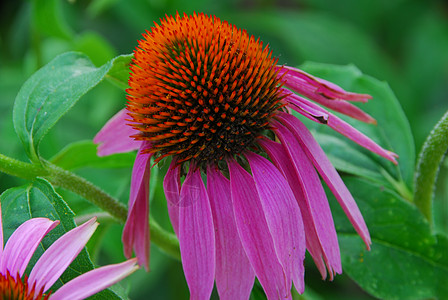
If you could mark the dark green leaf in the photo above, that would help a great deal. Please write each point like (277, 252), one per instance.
(349, 159)
(49, 93)
(39, 199)
(392, 132)
(83, 154)
(406, 261)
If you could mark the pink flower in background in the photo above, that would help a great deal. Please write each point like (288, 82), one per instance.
(211, 98)
(19, 249)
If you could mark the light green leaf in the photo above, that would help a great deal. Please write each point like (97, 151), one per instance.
(119, 73)
(49, 93)
(84, 154)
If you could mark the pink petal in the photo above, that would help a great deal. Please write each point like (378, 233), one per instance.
(328, 173)
(95, 281)
(316, 88)
(196, 236)
(23, 242)
(347, 130)
(136, 229)
(60, 255)
(171, 186)
(282, 215)
(255, 235)
(1, 237)
(114, 137)
(341, 106)
(314, 113)
(321, 235)
(234, 274)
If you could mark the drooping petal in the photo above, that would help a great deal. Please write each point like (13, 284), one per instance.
(60, 255)
(255, 235)
(171, 186)
(316, 88)
(282, 215)
(313, 112)
(95, 281)
(136, 229)
(327, 171)
(341, 106)
(23, 242)
(196, 236)
(114, 137)
(234, 274)
(321, 235)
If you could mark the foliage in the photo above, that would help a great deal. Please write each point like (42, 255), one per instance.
(56, 54)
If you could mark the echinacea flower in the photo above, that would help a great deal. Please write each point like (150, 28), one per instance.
(19, 249)
(211, 98)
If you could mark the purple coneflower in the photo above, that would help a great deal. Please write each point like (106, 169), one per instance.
(19, 249)
(211, 98)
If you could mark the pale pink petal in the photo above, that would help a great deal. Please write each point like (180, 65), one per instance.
(234, 274)
(171, 186)
(282, 215)
(321, 235)
(23, 242)
(341, 106)
(60, 255)
(315, 113)
(114, 137)
(316, 88)
(196, 236)
(95, 281)
(328, 173)
(136, 229)
(254, 234)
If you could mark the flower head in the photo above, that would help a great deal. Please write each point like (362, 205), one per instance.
(211, 98)
(19, 249)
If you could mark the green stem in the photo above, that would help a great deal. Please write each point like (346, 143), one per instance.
(72, 182)
(430, 158)
(21, 169)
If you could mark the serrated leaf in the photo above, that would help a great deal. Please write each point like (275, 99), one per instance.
(84, 154)
(406, 260)
(39, 199)
(393, 130)
(49, 93)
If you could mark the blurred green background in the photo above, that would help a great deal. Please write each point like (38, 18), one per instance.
(403, 42)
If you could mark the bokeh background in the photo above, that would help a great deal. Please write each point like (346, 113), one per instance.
(402, 42)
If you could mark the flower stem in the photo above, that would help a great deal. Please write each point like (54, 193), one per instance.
(430, 158)
(72, 182)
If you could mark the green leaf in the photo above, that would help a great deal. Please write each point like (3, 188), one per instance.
(349, 159)
(406, 260)
(119, 73)
(84, 154)
(393, 130)
(49, 93)
(39, 199)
